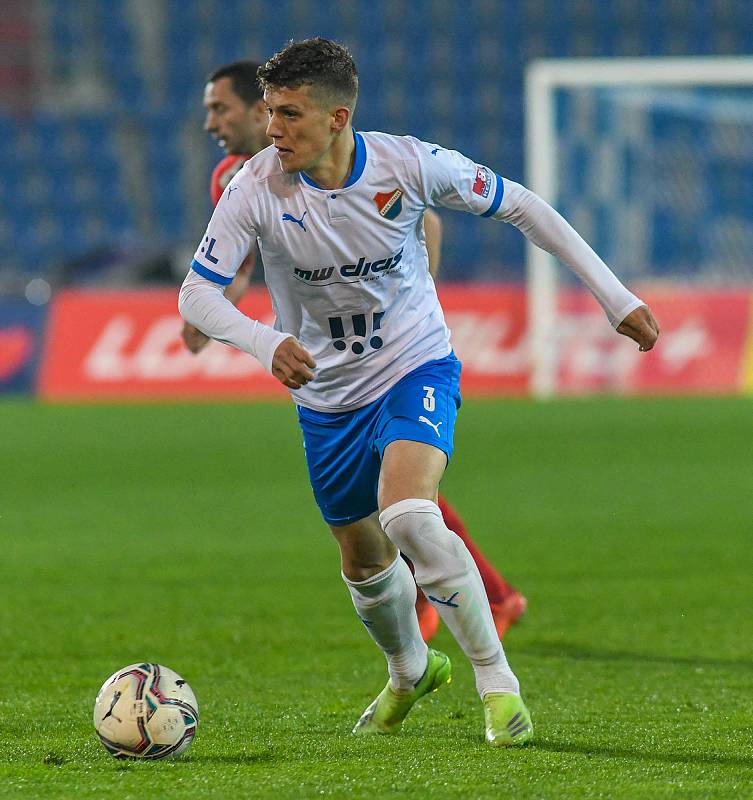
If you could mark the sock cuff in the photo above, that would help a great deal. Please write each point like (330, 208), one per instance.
(415, 505)
(374, 579)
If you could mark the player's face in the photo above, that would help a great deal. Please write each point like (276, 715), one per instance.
(300, 128)
(237, 127)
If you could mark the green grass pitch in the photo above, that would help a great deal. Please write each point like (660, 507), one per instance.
(187, 535)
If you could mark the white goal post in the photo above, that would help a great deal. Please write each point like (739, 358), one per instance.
(544, 78)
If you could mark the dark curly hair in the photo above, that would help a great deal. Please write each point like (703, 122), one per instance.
(321, 63)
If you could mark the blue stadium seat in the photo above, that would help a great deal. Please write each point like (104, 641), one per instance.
(445, 71)
(8, 135)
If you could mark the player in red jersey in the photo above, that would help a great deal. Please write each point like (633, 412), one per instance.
(236, 117)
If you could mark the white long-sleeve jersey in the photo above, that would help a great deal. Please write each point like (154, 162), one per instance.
(347, 269)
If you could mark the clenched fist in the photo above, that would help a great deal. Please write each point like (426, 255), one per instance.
(292, 364)
(641, 327)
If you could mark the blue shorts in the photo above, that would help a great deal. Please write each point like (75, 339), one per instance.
(344, 451)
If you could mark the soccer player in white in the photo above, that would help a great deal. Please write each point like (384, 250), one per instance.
(360, 340)
(236, 116)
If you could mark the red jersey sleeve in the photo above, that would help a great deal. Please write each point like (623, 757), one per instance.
(223, 173)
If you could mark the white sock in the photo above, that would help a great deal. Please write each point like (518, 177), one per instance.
(386, 604)
(449, 577)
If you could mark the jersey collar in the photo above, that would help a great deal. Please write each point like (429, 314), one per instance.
(359, 162)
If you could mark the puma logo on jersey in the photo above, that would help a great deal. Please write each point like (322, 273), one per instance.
(422, 418)
(290, 218)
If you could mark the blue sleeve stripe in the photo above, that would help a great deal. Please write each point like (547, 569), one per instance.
(209, 275)
(499, 193)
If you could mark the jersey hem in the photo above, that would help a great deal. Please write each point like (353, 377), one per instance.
(370, 398)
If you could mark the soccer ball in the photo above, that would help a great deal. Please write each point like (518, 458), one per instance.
(145, 711)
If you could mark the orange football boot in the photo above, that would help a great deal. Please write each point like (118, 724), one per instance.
(507, 611)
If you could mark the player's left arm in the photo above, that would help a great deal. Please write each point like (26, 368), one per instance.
(641, 327)
(547, 229)
(450, 179)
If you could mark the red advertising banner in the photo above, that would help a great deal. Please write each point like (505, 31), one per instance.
(21, 327)
(701, 348)
(488, 326)
(126, 345)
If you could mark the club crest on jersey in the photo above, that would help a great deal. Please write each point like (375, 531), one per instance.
(483, 182)
(390, 204)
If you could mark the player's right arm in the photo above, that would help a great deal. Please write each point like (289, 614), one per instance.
(193, 338)
(203, 305)
(222, 174)
(202, 302)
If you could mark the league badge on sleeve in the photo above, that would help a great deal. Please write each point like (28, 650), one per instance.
(483, 182)
(390, 204)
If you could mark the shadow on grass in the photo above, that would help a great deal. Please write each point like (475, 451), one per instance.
(234, 758)
(579, 653)
(554, 746)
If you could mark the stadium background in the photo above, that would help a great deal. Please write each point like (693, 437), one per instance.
(186, 533)
(104, 169)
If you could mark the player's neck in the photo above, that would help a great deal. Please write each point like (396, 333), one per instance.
(335, 167)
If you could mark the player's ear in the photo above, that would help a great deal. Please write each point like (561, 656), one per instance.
(340, 119)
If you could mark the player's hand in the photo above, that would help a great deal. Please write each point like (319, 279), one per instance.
(292, 364)
(641, 327)
(195, 340)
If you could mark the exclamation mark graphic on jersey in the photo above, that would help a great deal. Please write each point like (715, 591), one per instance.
(359, 329)
(338, 332)
(376, 341)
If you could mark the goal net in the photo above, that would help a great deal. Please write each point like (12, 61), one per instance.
(651, 160)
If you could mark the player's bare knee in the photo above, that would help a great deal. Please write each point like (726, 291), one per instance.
(410, 470)
(365, 550)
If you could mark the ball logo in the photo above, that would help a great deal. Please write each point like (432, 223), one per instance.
(390, 204)
(146, 711)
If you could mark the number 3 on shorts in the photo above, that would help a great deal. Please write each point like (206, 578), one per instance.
(429, 402)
